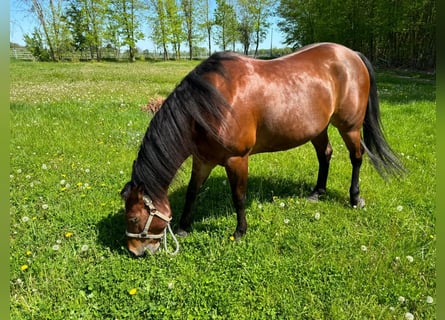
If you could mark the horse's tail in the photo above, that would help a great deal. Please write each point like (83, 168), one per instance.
(381, 155)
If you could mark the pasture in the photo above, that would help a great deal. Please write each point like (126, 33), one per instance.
(75, 130)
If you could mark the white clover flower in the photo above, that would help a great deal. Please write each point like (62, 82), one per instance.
(56, 247)
(45, 206)
(401, 299)
(409, 316)
(87, 170)
(410, 258)
(63, 182)
(44, 167)
(282, 204)
(19, 170)
(286, 221)
(363, 248)
(317, 215)
(84, 248)
(399, 208)
(260, 206)
(58, 241)
(121, 172)
(28, 176)
(429, 299)
(25, 219)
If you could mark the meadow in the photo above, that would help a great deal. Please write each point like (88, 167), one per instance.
(75, 130)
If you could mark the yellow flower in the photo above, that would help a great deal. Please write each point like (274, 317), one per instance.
(232, 238)
(68, 234)
(133, 291)
(24, 267)
(28, 253)
(79, 184)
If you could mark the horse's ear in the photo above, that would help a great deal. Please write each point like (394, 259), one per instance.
(125, 193)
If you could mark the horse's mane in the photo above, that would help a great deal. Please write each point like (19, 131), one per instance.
(194, 104)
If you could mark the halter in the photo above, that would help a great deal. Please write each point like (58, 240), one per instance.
(152, 211)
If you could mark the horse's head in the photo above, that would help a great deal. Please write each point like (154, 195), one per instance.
(146, 225)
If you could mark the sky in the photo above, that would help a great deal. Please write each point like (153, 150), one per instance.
(23, 22)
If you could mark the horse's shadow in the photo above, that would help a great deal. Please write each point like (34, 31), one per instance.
(214, 199)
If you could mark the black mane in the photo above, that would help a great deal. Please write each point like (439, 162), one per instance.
(168, 139)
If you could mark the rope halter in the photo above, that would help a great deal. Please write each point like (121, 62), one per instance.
(152, 211)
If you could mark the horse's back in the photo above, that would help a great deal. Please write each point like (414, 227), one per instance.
(285, 102)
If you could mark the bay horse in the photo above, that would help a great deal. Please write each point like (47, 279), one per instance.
(232, 106)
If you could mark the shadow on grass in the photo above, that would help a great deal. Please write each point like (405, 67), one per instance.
(215, 197)
(112, 232)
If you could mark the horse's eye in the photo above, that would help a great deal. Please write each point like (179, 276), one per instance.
(133, 220)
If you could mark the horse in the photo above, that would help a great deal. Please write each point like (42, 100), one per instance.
(231, 107)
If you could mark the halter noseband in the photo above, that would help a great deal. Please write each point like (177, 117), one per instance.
(152, 211)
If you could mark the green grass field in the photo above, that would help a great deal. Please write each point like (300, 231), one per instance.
(75, 130)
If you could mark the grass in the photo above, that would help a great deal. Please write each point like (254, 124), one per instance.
(75, 130)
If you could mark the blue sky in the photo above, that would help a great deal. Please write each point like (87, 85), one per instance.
(23, 22)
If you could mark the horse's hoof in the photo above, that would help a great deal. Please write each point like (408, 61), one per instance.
(314, 197)
(237, 235)
(360, 203)
(181, 233)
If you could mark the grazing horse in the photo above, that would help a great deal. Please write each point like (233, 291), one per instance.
(232, 106)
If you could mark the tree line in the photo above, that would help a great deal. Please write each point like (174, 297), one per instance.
(93, 26)
(400, 33)
(394, 33)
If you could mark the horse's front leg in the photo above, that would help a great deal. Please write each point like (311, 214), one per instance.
(200, 173)
(237, 172)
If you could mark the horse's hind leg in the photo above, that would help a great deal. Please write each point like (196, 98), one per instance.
(352, 140)
(324, 153)
(200, 173)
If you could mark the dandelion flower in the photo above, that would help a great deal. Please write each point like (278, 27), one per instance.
(25, 219)
(399, 208)
(63, 182)
(44, 166)
(84, 248)
(24, 267)
(45, 206)
(401, 299)
(56, 247)
(409, 316)
(282, 204)
(232, 238)
(363, 248)
(68, 234)
(286, 221)
(133, 291)
(28, 252)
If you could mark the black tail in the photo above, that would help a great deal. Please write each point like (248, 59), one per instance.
(381, 155)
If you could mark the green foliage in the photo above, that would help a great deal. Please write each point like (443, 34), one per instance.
(396, 33)
(75, 130)
(35, 45)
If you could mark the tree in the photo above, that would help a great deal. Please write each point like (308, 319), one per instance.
(254, 22)
(193, 13)
(126, 23)
(86, 20)
(56, 35)
(226, 21)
